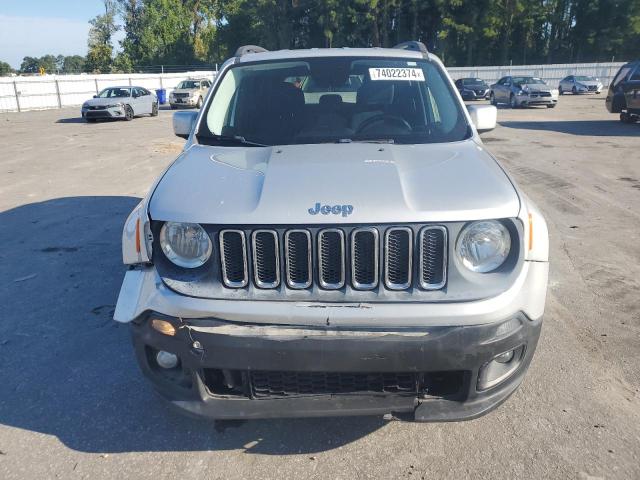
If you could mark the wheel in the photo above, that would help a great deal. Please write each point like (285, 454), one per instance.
(492, 99)
(512, 101)
(551, 105)
(560, 92)
(128, 113)
(154, 110)
(624, 117)
(199, 103)
(574, 90)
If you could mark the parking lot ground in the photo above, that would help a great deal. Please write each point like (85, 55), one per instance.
(74, 405)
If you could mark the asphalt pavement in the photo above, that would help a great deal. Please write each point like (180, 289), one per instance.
(74, 405)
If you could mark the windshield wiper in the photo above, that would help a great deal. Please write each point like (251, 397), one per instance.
(234, 139)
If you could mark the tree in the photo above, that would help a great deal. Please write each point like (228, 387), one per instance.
(33, 64)
(73, 64)
(5, 69)
(99, 57)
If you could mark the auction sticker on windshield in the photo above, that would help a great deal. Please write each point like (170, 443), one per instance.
(407, 74)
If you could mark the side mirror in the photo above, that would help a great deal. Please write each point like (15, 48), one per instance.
(183, 123)
(484, 117)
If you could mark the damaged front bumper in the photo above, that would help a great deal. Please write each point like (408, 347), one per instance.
(260, 359)
(232, 371)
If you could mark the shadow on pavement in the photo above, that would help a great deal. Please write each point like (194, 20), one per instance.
(68, 369)
(597, 128)
(71, 120)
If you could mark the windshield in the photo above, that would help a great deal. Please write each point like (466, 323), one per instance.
(473, 81)
(528, 81)
(584, 79)
(188, 84)
(334, 99)
(115, 92)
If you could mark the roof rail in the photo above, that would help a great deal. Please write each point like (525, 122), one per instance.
(249, 49)
(414, 46)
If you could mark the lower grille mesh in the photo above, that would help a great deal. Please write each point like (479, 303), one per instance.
(282, 384)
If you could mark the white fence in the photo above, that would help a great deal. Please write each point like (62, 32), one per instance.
(18, 94)
(552, 74)
(56, 91)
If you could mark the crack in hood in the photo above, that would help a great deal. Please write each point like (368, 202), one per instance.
(356, 183)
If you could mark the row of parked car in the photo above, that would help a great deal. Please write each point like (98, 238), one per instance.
(623, 96)
(127, 102)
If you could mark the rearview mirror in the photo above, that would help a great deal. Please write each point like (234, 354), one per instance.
(484, 117)
(183, 123)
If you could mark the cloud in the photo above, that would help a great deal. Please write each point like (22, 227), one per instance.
(36, 36)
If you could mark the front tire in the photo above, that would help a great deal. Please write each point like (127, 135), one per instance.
(574, 91)
(512, 101)
(128, 113)
(199, 103)
(560, 91)
(154, 110)
(492, 99)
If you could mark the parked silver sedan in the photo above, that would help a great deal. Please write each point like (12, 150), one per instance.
(523, 92)
(579, 84)
(120, 102)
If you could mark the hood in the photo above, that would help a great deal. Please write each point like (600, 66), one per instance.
(334, 183)
(589, 83)
(95, 102)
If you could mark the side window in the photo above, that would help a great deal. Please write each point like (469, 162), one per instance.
(636, 74)
(622, 74)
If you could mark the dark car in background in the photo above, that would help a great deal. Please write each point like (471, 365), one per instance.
(623, 96)
(473, 88)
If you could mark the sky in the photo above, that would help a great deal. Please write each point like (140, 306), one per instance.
(37, 27)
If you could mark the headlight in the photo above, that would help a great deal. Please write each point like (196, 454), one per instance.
(524, 91)
(185, 244)
(483, 246)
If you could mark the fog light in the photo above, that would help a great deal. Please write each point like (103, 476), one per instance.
(166, 359)
(500, 368)
(505, 357)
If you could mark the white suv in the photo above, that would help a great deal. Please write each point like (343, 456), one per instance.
(334, 240)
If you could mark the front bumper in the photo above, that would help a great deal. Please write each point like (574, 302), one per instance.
(527, 100)
(453, 340)
(183, 102)
(475, 95)
(113, 112)
(219, 362)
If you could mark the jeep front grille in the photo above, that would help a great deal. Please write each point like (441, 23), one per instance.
(233, 258)
(266, 263)
(331, 258)
(364, 258)
(433, 258)
(297, 250)
(361, 258)
(398, 246)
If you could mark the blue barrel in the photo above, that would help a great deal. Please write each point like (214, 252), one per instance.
(161, 93)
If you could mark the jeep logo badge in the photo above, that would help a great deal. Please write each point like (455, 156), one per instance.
(345, 210)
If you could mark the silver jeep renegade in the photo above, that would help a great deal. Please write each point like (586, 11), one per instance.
(335, 240)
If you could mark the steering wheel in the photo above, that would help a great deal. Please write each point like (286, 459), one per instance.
(384, 118)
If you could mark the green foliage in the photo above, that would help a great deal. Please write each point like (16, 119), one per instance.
(73, 64)
(461, 32)
(5, 69)
(99, 57)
